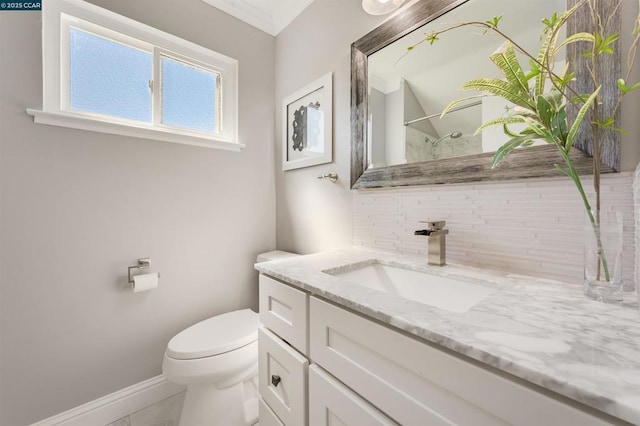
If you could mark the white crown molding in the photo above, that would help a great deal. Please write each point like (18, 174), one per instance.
(245, 12)
(272, 17)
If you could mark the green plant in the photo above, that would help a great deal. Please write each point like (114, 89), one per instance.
(541, 96)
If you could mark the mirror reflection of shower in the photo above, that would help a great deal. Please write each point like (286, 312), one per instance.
(453, 135)
(427, 140)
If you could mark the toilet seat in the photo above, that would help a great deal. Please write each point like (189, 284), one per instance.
(215, 336)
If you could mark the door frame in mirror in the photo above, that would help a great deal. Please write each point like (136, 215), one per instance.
(531, 162)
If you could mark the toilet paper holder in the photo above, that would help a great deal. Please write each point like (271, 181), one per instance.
(144, 263)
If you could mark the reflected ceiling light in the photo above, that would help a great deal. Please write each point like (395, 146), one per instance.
(380, 7)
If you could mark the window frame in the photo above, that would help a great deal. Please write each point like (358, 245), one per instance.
(59, 16)
(69, 22)
(157, 87)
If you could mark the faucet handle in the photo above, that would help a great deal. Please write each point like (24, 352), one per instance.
(435, 225)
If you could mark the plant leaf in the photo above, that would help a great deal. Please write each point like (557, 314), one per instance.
(575, 127)
(506, 60)
(505, 149)
(535, 70)
(548, 45)
(495, 21)
(548, 105)
(459, 101)
(550, 23)
(502, 121)
(574, 38)
(605, 45)
(500, 88)
(563, 170)
(559, 125)
(623, 87)
(608, 124)
(508, 132)
(537, 129)
(565, 79)
(580, 98)
(552, 115)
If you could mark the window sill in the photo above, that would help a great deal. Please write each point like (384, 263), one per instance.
(84, 123)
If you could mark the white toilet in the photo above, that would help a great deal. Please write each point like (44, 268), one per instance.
(217, 359)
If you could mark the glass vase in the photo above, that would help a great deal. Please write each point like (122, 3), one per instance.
(603, 258)
(636, 216)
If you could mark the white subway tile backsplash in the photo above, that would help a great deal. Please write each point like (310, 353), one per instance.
(532, 227)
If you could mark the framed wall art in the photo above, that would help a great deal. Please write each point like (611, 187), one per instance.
(307, 125)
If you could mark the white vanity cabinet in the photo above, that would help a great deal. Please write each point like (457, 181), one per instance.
(285, 310)
(363, 372)
(417, 384)
(282, 378)
(267, 416)
(282, 353)
(333, 404)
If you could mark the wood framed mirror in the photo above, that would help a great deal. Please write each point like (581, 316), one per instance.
(537, 161)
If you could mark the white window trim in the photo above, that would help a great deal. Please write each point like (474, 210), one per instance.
(54, 111)
(157, 78)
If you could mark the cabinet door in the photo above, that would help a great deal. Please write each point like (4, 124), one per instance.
(282, 375)
(284, 310)
(333, 404)
(267, 417)
(417, 384)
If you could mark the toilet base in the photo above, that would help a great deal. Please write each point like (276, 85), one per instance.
(206, 405)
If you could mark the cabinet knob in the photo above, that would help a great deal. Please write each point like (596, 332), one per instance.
(275, 380)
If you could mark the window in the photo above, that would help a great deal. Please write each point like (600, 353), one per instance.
(190, 96)
(106, 73)
(109, 78)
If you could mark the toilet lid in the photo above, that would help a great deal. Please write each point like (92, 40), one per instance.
(216, 335)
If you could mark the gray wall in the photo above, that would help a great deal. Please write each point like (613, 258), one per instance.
(378, 127)
(77, 208)
(413, 110)
(312, 214)
(394, 149)
(316, 43)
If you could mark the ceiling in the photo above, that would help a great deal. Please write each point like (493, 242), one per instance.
(270, 16)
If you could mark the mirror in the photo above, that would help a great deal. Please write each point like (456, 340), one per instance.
(398, 137)
(406, 96)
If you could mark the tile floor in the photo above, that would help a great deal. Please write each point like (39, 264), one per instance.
(164, 413)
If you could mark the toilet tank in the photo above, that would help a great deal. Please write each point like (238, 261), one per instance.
(275, 255)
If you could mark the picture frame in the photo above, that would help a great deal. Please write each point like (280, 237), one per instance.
(307, 125)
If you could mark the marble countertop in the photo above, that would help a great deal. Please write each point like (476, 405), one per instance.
(545, 332)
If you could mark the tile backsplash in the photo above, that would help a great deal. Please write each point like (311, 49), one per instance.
(531, 227)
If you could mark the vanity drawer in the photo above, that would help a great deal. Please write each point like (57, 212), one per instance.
(282, 378)
(416, 384)
(332, 403)
(267, 417)
(284, 310)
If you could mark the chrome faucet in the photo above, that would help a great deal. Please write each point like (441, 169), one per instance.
(436, 234)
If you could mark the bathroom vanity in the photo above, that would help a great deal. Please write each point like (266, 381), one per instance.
(366, 337)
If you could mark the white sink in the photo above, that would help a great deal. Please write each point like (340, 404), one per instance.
(446, 293)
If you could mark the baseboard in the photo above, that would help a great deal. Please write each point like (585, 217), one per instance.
(117, 405)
